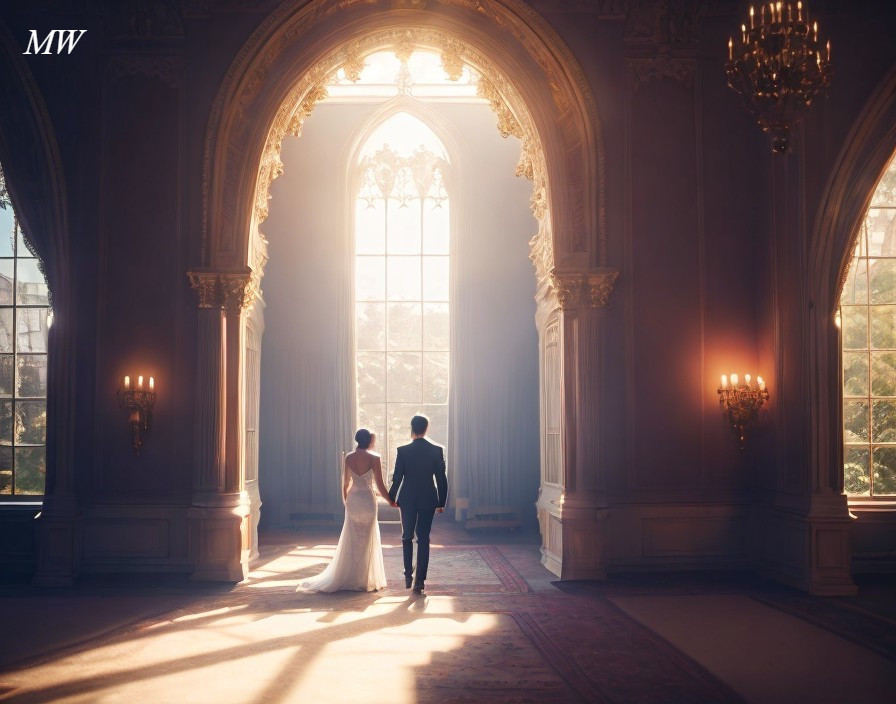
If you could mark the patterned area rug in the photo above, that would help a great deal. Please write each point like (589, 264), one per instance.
(606, 656)
(843, 616)
(457, 570)
(867, 629)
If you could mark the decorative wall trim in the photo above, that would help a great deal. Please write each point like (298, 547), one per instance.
(663, 22)
(131, 538)
(654, 68)
(169, 69)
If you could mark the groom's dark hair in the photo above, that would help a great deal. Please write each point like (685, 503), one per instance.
(419, 424)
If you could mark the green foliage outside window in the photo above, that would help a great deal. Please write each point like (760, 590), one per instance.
(24, 323)
(868, 336)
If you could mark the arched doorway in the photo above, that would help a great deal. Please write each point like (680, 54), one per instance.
(540, 95)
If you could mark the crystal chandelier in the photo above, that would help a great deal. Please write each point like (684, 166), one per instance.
(778, 67)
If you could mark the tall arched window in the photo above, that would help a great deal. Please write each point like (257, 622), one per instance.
(24, 321)
(402, 237)
(868, 321)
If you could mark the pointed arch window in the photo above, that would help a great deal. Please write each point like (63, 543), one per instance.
(25, 318)
(402, 297)
(868, 340)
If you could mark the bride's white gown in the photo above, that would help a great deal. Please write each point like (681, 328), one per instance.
(358, 562)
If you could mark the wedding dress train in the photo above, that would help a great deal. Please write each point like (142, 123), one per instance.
(357, 564)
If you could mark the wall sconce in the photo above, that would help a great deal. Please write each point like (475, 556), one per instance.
(741, 402)
(137, 405)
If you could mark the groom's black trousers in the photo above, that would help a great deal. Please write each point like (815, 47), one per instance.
(416, 519)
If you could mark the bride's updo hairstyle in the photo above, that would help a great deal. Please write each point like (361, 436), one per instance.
(363, 438)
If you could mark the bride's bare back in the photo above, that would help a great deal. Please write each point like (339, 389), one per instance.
(358, 463)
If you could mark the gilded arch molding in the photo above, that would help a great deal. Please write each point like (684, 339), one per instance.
(529, 77)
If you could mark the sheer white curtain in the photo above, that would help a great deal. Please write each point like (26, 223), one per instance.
(307, 372)
(494, 453)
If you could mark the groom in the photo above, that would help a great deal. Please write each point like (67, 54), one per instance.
(419, 497)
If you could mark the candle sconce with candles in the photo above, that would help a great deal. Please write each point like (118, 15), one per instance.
(741, 402)
(137, 404)
(778, 66)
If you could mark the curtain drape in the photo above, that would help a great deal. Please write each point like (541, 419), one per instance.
(494, 457)
(308, 388)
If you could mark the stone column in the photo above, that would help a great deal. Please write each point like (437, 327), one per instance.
(218, 513)
(828, 546)
(583, 296)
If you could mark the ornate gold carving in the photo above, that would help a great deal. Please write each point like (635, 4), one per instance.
(452, 60)
(507, 122)
(524, 166)
(291, 22)
(518, 20)
(539, 201)
(513, 117)
(540, 253)
(583, 289)
(207, 288)
(505, 21)
(306, 107)
(239, 291)
(232, 291)
(353, 65)
(405, 45)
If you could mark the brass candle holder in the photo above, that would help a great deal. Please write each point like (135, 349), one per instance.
(741, 403)
(137, 404)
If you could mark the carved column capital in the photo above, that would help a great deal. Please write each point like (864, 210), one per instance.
(231, 290)
(239, 291)
(583, 289)
(207, 286)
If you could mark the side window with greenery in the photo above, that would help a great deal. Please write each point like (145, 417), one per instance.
(868, 322)
(24, 321)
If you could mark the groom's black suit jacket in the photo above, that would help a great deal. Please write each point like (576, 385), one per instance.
(416, 465)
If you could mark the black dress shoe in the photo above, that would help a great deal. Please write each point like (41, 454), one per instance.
(408, 581)
(418, 589)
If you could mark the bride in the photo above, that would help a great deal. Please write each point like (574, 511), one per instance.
(358, 562)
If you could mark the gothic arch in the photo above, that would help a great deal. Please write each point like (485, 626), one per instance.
(442, 128)
(533, 82)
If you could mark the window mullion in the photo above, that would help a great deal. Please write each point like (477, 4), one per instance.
(870, 358)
